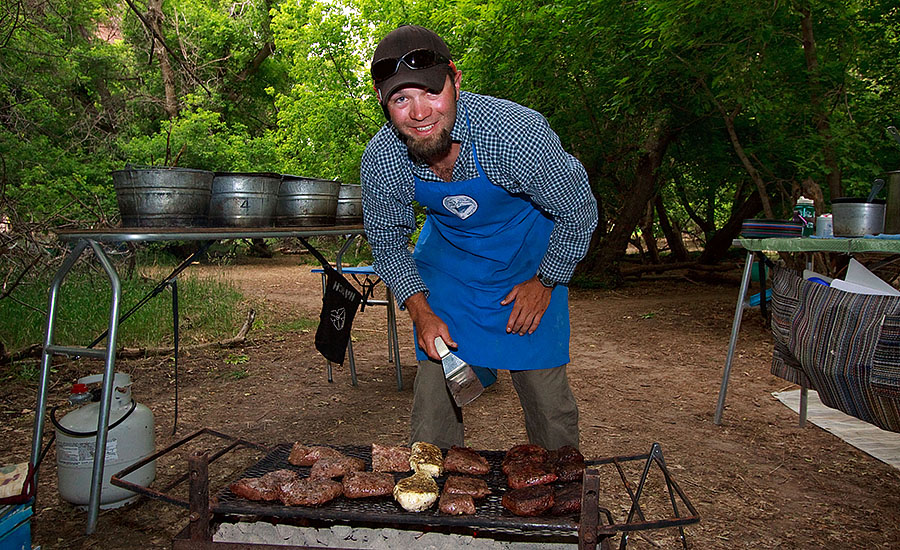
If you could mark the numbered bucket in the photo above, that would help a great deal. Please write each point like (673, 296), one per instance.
(243, 199)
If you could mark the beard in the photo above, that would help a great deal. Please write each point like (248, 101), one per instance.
(425, 149)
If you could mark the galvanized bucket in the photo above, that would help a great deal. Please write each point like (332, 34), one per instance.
(243, 199)
(349, 206)
(306, 202)
(163, 197)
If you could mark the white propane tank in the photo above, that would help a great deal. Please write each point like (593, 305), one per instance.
(129, 441)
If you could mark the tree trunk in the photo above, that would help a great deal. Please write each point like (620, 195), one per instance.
(647, 234)
(717, 246)
(745, 160)
(154, 18)
(672, 231)
(604, 256)
(820, 115)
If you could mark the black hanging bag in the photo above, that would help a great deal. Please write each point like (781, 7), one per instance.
(339, 305)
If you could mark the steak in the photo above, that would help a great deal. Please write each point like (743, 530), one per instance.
(456, 505)
(309, 492)
(386, 458)
(569, 463)
(331, 467)
(465, 461)
(526, 475)
(301, 455)
(566, 500)
(524, 455)
(368, 484)
(529, 501)
(264, 487)
(465, 485)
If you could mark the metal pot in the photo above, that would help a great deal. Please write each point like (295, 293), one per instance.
(856, 217)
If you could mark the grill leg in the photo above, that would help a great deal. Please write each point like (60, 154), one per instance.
(198, 463)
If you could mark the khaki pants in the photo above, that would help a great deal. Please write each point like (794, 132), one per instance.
(551, 414)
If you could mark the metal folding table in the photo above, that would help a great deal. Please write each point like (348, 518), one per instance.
(94, 239)
(790, 245)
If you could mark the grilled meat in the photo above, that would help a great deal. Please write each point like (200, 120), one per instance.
(566, 500)
(523, 455)
(301, 455)
(465, 461)
(465, 485)
(456, 505)
(527, 475)
(368, 484)
(528, 501)
(309, 492)
(264, 487)
(331, 467)
(569, 463)
(386, 458)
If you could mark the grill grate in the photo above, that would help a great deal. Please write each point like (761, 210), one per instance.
(489, 516)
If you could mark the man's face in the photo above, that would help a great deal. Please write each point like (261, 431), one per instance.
(424, 118)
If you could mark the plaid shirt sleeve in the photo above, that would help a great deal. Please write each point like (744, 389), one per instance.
(520, 152)
(387, 195)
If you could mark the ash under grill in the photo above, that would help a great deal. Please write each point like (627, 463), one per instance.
(489, 515)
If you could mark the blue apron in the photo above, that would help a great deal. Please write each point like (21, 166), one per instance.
(477, 243)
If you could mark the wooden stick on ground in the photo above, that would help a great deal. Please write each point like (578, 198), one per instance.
(35, 350)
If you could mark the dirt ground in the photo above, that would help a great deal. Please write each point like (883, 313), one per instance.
(646, 365)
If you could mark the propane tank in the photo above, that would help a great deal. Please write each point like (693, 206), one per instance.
(129, 439)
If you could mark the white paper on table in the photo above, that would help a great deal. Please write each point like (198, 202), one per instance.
(857, 274)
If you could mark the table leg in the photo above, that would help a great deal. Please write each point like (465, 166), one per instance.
(107, 388)
(735, 329)
(40, 411)
(804, 402)
(394, 347)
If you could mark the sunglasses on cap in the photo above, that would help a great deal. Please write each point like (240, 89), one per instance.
(416, 59)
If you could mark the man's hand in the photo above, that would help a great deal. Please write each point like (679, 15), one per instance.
(428, 325)
(530, 300)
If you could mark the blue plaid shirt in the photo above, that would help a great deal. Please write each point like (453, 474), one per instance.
(517, 150)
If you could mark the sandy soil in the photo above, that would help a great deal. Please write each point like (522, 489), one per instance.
(646, 367)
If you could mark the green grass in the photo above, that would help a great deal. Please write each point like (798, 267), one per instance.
(209, 309)
(301, 324)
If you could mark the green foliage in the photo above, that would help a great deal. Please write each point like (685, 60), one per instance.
(236, 359)
(208, 308)
(202, 139)
(81, 92)
(300, 324)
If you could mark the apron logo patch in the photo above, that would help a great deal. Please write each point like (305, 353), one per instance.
(462, 206)
(338, 316)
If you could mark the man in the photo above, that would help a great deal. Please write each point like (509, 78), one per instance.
(509, 214)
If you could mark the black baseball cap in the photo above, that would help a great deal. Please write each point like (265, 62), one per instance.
(402, 41)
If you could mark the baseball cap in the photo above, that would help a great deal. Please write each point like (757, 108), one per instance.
(402, 41)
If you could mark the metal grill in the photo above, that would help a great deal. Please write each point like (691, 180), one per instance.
(490, 515)
(594, 524)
